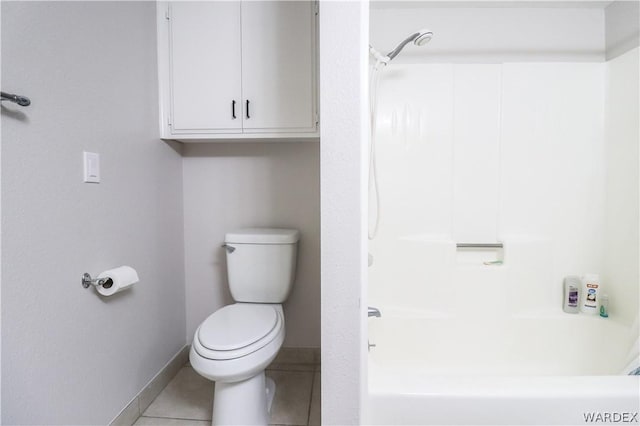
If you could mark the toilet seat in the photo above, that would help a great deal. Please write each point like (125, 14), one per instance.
(237, 330)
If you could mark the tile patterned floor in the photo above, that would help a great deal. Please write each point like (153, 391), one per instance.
(187, 399)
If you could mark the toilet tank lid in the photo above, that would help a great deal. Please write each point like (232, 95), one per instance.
(263, 236)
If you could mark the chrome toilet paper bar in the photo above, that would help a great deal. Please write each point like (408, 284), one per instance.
(87, 281)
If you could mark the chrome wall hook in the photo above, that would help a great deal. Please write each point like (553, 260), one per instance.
(20, 100)
(87, 281)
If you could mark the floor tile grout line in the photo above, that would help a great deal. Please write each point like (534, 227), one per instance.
(313, 379)
(177, 418)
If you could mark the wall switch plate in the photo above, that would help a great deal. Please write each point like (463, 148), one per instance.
(91, 167)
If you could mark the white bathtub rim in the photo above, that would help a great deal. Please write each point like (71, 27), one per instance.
(389, 380)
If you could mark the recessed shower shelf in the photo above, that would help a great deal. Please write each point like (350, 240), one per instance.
(486, 254)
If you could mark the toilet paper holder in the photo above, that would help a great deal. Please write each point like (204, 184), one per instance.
(87, 281)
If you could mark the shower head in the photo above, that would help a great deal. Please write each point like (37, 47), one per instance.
(419, 38)
(423, 38)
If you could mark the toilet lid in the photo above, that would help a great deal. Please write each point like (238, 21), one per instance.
(237, 326)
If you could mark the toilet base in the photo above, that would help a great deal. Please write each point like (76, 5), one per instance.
(271, 393)
(243, 403)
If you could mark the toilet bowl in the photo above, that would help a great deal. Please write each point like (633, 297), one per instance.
(238, 341)
(232, 347)
(235, 344)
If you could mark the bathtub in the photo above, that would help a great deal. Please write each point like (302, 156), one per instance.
(540, 368)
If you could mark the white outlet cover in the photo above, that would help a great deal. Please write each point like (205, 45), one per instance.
(91, 167)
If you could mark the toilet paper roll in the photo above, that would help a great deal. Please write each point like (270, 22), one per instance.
(122, 278)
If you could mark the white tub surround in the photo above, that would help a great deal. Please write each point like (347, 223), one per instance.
(487, 344)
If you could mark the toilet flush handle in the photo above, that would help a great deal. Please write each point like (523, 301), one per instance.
(229, 248)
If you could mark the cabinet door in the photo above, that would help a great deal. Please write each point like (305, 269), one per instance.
(205, 67)
(278, 66)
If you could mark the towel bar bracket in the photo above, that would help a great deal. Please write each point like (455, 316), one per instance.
(20, 100)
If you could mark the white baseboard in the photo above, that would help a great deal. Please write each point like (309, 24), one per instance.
(130, 414)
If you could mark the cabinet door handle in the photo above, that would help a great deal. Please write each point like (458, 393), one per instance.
(248, 108)
(233, 109)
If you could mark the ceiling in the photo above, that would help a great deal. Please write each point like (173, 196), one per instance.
(402, 4)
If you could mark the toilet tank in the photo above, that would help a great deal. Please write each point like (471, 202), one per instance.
(261, 263)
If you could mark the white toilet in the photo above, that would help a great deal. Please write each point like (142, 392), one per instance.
(235, 344)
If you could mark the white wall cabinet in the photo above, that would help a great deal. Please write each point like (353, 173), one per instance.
(238, 70)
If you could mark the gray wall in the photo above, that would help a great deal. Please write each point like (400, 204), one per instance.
(228, 186)
(622, 27)
(70, 357)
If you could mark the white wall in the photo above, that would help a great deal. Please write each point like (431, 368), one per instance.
(622, 25)
(512, 148)
(621, 254)
(69, 356)
(344, 129)
(229, 186)
(490, 34)
(0, 239)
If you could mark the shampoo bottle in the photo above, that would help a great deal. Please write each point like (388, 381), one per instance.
(604, 306)
(590, 294)
(571, 301)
